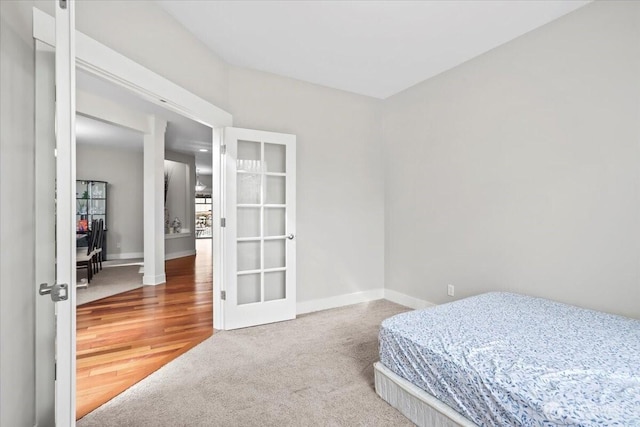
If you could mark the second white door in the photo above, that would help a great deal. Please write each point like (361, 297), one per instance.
(259, 170)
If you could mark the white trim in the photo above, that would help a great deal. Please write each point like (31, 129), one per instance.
(174, 255)
(177, 235)
(125, 255)
(44, 27)
(406, 300)
(338, 301)
(358, 297)
(154, 280)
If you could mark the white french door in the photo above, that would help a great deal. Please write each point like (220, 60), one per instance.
(55, 223)
(259, 172)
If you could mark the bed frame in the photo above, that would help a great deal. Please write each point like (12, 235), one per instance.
(414, 403)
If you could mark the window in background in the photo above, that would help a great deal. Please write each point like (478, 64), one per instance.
(203, 217)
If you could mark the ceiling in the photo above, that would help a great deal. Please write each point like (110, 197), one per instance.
(374, 48)
(183, 135)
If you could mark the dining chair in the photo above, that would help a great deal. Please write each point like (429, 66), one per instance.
(98, 253)
(84, 257)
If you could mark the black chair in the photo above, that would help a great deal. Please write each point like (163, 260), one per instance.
(84, 258)
(98, 253)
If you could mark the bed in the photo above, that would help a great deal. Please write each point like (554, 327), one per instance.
(503, 359)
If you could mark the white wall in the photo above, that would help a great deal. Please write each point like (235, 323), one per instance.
(519, 170)
(123, 170)
(177, 201)
(181, 203)
(17, 243)
(340, 204)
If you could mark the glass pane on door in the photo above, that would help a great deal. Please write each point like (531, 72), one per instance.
(248, 288)
(248, 222)
(275, 157)
(274, 221)
(275, 285)
(249, 256)
(249, 186)
(276, 190)
(249, 150)
(274, 253)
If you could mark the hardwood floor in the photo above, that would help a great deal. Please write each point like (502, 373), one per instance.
(123, 338)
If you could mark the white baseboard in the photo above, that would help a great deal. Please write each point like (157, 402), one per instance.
(125, 255)
(338, 301)
(180, 254)
(154, 280)
(130, 255)
(358, 297)
(406, 300)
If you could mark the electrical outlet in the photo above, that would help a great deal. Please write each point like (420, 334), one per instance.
(118, 245)
(450, 290)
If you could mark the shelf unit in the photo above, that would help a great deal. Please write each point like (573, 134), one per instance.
(91, 204)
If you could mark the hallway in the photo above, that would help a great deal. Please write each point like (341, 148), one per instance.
(123, 338)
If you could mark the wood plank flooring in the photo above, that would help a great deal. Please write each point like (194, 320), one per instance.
(123, 338)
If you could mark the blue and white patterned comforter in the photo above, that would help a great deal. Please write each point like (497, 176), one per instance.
(502, 359)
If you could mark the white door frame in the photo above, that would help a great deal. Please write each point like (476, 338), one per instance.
(98, 59)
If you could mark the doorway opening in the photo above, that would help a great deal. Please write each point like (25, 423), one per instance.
(126, 330)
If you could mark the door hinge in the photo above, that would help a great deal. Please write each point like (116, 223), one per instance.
(223, 222)
(223, 149)
(63, 4)
(223, 295)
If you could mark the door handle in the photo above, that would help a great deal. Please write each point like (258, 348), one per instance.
(58, 292)
(290, 236)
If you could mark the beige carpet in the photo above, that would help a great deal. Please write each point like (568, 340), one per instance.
(316, 370)
(109, 281)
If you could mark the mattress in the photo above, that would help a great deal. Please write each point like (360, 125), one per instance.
(507, 359)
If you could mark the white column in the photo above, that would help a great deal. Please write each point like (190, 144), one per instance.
(154, 273)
